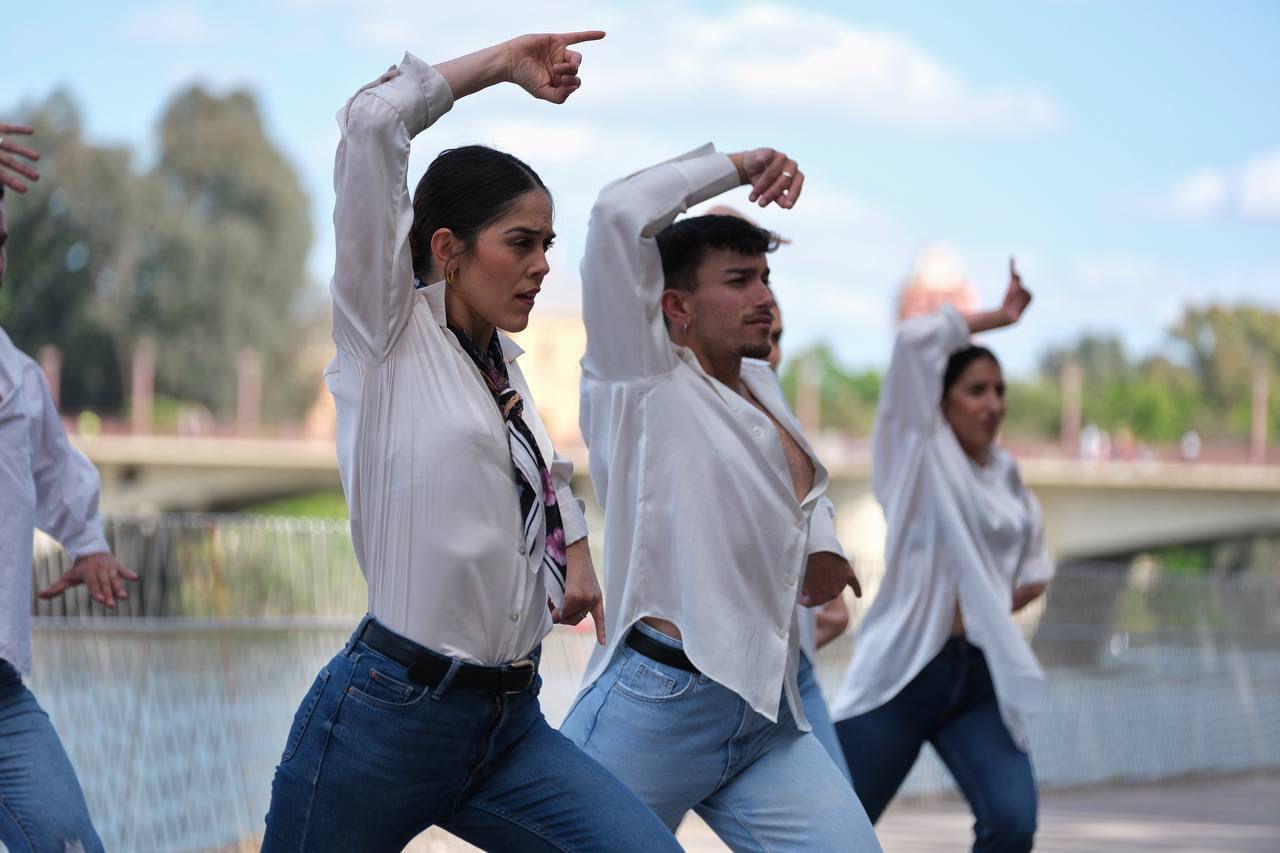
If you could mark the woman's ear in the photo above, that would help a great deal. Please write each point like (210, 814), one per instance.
(444, 248)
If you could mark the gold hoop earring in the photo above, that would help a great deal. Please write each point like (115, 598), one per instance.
(449, 276)
(686, 328)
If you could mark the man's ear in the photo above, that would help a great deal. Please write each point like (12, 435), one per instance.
(675, 308)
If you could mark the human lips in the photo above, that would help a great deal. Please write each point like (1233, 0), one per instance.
(529, 296)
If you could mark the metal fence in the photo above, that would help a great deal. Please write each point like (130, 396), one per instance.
(175, 707)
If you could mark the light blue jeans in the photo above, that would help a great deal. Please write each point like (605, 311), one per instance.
(682, 741)
(41, 804)
(815, 708)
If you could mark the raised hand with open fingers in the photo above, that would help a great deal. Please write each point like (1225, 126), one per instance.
(12, 154)
(544, 66)
(101, 573)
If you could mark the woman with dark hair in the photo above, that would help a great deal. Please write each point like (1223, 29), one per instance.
(461, 514)
(938, 657)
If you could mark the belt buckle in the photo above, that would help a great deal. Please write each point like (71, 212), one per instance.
(523, 663)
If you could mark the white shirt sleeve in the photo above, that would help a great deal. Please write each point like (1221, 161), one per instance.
(910, 406)
(1036, 566)
(66, 483)
(822, 529)
(622, 279)
(373, 273)
(571, 514)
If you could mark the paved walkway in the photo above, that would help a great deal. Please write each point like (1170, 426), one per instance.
(1235, 814)
(1239, 814)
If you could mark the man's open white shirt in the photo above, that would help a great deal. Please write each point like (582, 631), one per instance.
(702, 525)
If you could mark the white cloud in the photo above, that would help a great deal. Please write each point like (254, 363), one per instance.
(180, 23)
(1253, 190)
(667, 55)
(1199, 195)
(1260, 185)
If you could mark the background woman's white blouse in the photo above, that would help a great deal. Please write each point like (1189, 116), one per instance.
(958, 533)
(422, 448)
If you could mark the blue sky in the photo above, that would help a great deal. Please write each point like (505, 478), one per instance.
(1129, 154)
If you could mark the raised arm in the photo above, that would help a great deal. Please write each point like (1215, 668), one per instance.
(911, 398)
(373, 274)
(622, 279)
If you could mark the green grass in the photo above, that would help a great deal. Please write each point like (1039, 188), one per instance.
(314, 505)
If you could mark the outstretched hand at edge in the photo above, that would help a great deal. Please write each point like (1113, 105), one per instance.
(12, 169)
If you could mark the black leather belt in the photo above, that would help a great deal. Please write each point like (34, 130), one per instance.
(428, 668)
(661, 652)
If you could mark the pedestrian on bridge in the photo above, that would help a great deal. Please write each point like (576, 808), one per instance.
(461, 514)
(938, 657)
(45, 483)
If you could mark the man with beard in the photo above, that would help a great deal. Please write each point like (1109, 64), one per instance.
(712, 516)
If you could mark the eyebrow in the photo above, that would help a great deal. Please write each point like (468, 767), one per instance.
(745, 271)
(532, 232)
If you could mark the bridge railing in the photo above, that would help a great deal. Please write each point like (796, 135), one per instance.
(174, 708)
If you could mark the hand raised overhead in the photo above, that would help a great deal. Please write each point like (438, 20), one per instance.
(1016, 298)
(544, 66)
(773, 176)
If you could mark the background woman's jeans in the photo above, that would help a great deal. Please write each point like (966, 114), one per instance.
(41, 804)
(952, 705)
(374, 759)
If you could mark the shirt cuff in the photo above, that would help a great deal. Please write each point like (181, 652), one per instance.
(417, 92)
(822, 530)
(90, 540)
(572, 515)
(707, 172)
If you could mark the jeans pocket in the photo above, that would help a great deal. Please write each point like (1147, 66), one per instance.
(651, 681)
(303, 716)
(379, 682)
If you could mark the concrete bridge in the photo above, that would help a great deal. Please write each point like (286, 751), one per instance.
(1092, 509)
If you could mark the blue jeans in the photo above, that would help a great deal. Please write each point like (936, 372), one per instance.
(815, 708)
(373, 759)
(682, 741)
(41, 804)
(952, 705)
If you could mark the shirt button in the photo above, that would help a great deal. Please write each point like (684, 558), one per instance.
(515, 615)
(523, 549)
(756, 431)
(790, 579)
(782, 633)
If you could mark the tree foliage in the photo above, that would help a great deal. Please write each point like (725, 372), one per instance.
(205, 253)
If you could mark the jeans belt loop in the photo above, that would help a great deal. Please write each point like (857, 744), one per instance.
(454, 665)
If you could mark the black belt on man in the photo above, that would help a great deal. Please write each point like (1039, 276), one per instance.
(428, 668)
(661, 652)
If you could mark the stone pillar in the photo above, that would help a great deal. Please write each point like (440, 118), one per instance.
(50, 358)
(1258, 423)
(248, 392)
(142, 386)
(1072, 382)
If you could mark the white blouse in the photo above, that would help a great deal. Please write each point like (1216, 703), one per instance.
(958, 533)
(44, 483)
(422, 447)
(702, 525)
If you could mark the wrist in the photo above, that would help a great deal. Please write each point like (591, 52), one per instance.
(739, 161)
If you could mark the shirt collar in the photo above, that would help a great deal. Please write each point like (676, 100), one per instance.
(434, 295)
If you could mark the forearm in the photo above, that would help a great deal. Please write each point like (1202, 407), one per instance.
(1025, 594)
(986, 321)
(469, 74)
(832, 619)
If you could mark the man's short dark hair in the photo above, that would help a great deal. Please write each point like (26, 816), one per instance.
(684, 244)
